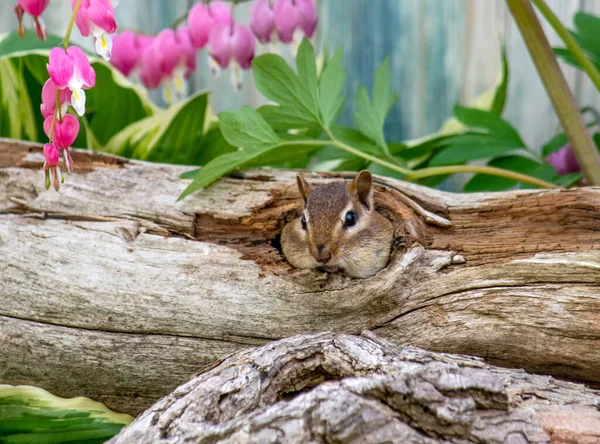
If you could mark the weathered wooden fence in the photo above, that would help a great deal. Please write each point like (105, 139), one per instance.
(442, 52)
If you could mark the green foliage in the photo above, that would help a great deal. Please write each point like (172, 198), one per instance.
(587, 35)
(369, 117)
(120, 118)
(32, 415)
(301, 122)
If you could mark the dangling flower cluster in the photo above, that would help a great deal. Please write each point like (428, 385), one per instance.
(169, 58)
(70, 74)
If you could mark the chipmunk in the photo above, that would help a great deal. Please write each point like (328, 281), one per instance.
(339, 229)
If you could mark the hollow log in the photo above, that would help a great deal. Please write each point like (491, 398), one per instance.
(111, 289)
(341, 388)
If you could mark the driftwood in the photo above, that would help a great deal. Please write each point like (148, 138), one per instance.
(340, 388)
(112, 290)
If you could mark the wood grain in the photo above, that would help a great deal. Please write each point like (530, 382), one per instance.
(340, 388)
(114, 280)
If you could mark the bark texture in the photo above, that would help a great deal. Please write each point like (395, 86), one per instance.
(111, 289)
(339, 388)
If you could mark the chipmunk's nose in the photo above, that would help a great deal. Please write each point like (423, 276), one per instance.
(323, 254)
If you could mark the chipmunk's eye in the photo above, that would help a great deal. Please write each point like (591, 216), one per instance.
(350, 219)
(303, 222)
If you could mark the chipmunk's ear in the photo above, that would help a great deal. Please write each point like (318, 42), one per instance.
(361, 186)
(304, 187)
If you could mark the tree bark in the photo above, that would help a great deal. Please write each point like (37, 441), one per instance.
(340, 388)
(111, 289)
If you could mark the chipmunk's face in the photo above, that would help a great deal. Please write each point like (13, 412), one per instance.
(335, 219)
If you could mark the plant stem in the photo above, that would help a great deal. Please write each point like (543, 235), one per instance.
(557, 88)
(71, 23)
(491, 171)
(443, 170)
(569, 41)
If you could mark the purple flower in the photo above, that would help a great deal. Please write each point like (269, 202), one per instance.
(564, 160)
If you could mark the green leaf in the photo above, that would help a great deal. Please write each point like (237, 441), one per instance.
(12, 43)
(32, 415)
(383, 97)
(18, 118)
(469, 147)
(278, 82)
(569, 180)
(519, 164)
(369, 117)
(492, 100)
(174, 135)
(554, 144)
(331, 83)
(284, 119)
(247, 128)
(501, 91)
(307, 72)
(487, 120)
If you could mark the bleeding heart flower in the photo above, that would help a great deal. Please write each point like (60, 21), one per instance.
(202, 18)
(150, 72)
(34, 8)
(51, 168)
(564, 160)
(97, 17)
(232, 46)
(48, 106)
(293, 14)
(262, 20)
(71, 69)
(126, 52)
(64, 132)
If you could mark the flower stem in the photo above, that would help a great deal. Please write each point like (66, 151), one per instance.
(570, 42)
(557, 88)
(443, 170)
(71, 23)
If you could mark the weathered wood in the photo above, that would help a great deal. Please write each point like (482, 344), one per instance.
(113, 290)
(350, 389)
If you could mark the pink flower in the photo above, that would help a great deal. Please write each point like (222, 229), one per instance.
(232, 45)
(202, 18)
(150, 72)
(48, 105)
(51, 168)
(126, 52)
(97, 17)
(262, 20)
(169, 51)
(34, 8)
(564, 160)
(72, 69)
(293, 14)
(232, 42)
(64, 132)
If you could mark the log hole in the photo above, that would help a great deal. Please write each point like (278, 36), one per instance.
(258, 236)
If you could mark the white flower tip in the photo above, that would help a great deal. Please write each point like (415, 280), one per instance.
(103, 46)
(78, 101)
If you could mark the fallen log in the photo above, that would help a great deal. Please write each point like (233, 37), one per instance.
(111, 289)
(350, 389)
